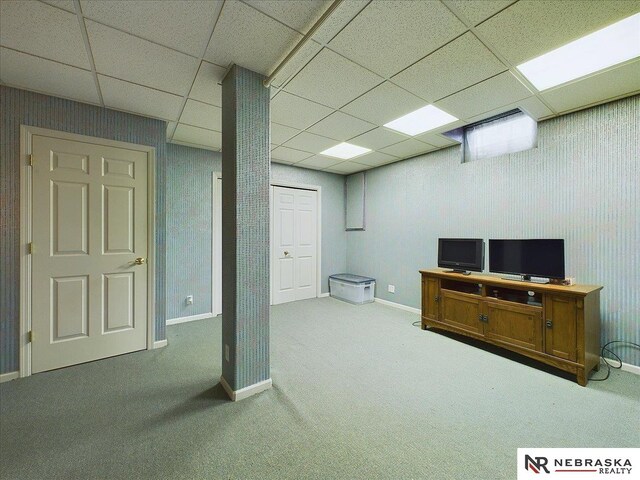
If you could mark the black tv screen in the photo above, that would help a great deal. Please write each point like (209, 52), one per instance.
(534, 257)
(461, 254)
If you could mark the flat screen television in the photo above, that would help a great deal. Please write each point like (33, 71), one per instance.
(461, 254)
(528, 258)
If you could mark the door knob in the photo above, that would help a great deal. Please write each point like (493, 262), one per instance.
(286, 253)
(139, 261)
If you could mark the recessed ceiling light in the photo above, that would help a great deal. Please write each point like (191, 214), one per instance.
(422, 120)
(614, 44)
(345, 151)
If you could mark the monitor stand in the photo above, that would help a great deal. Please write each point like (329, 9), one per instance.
(527, 278)
(463, 272)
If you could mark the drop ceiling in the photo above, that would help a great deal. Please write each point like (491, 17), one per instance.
(368, 63)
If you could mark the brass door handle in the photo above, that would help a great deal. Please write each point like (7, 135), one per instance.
(139, 261)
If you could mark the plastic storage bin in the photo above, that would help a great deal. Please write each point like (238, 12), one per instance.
(352, 288)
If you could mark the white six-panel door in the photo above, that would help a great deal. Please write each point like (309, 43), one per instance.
(89, 270)
(294, 244)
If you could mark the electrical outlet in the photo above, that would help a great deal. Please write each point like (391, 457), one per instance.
(392, 289)
(189, 299)
(226, 352)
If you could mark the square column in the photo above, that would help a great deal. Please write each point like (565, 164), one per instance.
(245, 233)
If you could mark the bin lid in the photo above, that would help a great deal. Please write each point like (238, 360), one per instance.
(349, 277)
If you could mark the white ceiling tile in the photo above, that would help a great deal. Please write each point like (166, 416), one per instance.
(383, 104)
(615, 82)
(378, 138)
(479, 10)
(282, 133)
(340, 17)
(446, 128)
(296, 112)
(171, 126)
(341, 126)
(532, 106)
(181, 24)
(456, 66)
(33, 73)
(134, 98)
(202, 115)
(318, 161)
(375, 159)
(332, 80)
(206, 87)
(197, 136)
(309, 142)
(387, 37)
(295, 63)
(195, 145)
(408, 148)
(346, 168)
(493, 93)
(289, 154)
(297, 165)
(283, 162)
(130, 58)
(436, 140)
(67, 5)
(298, 15)
(43, 30)
(530, 28)
(249, 38)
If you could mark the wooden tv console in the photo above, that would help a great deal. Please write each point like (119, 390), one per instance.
(558, 325)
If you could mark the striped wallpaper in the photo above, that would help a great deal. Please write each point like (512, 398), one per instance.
(189, 215)
(28, 108)
(581, 183)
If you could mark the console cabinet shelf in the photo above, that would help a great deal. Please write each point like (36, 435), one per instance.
(555, 324)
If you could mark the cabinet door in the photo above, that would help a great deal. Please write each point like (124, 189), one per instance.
(519, 325)
(461, 310)
(430, 298)
(560, 326)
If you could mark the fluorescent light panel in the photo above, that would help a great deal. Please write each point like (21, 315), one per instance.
(422, 120)
(614, 44)
(345, 151)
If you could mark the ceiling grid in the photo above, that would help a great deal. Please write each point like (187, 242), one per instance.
(365, 64)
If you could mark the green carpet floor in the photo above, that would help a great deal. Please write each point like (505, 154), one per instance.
(359, 393)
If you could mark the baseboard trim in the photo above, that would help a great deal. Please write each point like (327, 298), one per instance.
(323, 295)
(190, 318)
(237, 395)
(6, 377)
(626, 367)
(397, 305)
(160, 344)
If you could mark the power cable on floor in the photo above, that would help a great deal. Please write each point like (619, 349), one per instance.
(609, 366)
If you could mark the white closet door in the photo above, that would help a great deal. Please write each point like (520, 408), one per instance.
(294, 252)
